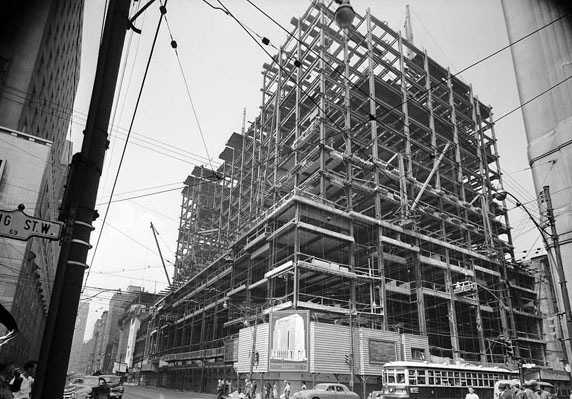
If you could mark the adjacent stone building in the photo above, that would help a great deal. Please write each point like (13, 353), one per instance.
(40, 49)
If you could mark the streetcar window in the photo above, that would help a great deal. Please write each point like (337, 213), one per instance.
(400, 377)
(421, 377)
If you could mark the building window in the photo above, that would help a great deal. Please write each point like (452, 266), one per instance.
(417, 354)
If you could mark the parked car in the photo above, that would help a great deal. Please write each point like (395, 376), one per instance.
(375, 395)
(327, 391)
(81, 387)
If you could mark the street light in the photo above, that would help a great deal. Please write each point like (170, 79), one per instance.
(116, 290)
(345, 14)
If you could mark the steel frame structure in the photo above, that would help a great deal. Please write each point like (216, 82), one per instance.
(363, 192)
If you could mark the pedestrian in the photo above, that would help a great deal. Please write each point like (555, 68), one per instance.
(471, 394)
(287, 389)
(543, 393)
(267, 390)
(517, 391)
(102, 390)
(504, 391)
(247, 389)
(28, 378)
(275, 391)
(253, 388)
(530, 389)
(6, 374)
(303, 387)
(219, 389)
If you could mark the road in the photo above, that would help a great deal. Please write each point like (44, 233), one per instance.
(140, 392)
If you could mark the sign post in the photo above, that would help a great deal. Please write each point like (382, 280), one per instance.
(20, 226)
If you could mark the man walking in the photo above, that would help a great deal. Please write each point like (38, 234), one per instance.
(471, 394)
(287, 390)
(504, 391)
(27, 380)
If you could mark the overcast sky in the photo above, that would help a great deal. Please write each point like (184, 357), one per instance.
(222, 65)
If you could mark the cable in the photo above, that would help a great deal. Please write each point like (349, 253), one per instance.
(431, 87)
(298, 65)
(127, 139)
(534, 98)
(188, 90)
(117, 129)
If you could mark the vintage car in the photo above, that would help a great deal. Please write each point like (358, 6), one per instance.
(375, 395)
(81, 387)
(327, 391)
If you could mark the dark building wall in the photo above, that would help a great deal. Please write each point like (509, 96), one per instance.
(39, 71)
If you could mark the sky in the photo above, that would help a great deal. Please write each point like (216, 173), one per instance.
(222, 66)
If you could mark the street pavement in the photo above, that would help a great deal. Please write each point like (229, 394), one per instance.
(141, 392)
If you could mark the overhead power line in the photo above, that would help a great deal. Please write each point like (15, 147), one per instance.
(163, 11)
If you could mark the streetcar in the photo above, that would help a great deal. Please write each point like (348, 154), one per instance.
(423, 380)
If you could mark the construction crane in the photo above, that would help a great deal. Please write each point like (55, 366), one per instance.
(155, 233)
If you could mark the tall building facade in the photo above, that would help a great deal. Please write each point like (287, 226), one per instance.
(129, 325)
(108, 345)
(23, 159)
(75, 362)
(353, 223)
(40, 45)
(543, 64)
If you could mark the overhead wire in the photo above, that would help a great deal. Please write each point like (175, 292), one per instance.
(187, 87)
(395, 107)
(512, 111)
(431, 85)
(119, 130)
(125, 56)
(301, 88)
(127, 139)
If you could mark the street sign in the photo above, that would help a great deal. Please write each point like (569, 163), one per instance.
(16, 224)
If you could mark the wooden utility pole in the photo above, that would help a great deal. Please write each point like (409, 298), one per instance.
(78, 210)
(561, 276)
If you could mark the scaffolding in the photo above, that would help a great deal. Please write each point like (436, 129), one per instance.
(363, 193)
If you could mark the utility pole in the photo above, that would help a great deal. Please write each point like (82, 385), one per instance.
(78, 210)
(253, 350)
(561, 275)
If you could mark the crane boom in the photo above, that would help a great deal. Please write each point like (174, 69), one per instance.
(160, 253)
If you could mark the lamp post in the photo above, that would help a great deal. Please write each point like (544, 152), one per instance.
(344, 16)
(501, 195)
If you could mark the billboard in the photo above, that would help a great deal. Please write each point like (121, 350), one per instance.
(289, 341)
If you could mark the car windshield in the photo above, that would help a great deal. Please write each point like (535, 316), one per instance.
(324, 387)
(111, 379)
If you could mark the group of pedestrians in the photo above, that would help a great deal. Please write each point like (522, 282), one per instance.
(269, 390)
(15, 383)
(529, 390)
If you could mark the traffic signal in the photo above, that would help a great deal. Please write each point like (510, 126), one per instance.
(348, 359)
(510, 349)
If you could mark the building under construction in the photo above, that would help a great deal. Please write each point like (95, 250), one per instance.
(360, 201)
